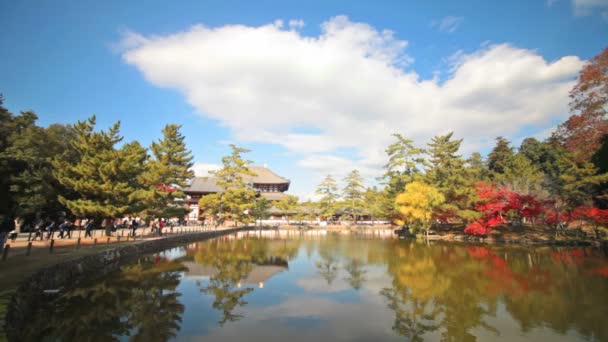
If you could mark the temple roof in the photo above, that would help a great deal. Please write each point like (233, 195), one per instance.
(263, 176)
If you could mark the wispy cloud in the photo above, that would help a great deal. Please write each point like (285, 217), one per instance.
(588, 7)
(448, 24)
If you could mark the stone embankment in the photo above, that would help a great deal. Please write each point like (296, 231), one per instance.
(31, 291)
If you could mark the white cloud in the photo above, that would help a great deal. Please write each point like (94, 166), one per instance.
(587, 7)
(353, 85)
(202, 169)
(448, 24)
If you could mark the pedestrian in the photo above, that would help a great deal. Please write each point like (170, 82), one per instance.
(37, 230)
(133, 227)
(50, 229)
(5, 227)
(87, 228)
(63, 228)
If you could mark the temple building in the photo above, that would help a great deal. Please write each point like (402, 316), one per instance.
(267, 183)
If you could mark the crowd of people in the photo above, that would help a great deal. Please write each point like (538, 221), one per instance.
(45, 228)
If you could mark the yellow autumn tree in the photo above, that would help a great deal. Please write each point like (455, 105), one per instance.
(417, 204)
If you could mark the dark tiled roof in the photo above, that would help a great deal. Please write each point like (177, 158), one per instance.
(203, 184)
(263, 176)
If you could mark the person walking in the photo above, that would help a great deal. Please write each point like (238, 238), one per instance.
(50, 228)
(133, 227)
(5, 227)
(63, 229)
(87, 228)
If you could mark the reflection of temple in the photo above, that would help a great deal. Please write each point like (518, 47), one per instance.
(267, 183)
(259, 274)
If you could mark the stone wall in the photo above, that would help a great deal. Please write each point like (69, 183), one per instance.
(30, 291)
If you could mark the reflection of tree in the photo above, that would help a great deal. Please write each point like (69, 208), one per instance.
(223, 286)
(328, 268)
(356, 273)
(232, 261)
(139, 301)
(411, 321)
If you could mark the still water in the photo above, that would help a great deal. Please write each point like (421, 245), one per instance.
(291, 286)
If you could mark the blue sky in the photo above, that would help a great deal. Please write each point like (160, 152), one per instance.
(311, 87)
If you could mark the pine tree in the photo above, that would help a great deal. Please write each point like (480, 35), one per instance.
(34, 189)
(237, 197)
(501, 156)
(327, 189)
(167, 172)
(352, 193)
(521, 176)
(260, 208)
(105, 179)
(477, 170)
(404, 161)
(446, 172)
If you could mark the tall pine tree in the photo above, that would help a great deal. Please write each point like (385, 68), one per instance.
(404, 161)
(167, 173)
(352, 194)
(105, 179)
(328, 190)
(237, 196)
(446, 172)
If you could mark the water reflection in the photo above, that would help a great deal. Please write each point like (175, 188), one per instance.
(140, 302)
(293, 286)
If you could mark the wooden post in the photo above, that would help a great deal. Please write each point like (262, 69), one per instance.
(28, 251)
(29, 237)
(108, 240)
(5, 252)
(52, 245)
(78, 243)
(95, 242)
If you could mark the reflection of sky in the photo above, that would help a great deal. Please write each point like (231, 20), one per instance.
(297, 303)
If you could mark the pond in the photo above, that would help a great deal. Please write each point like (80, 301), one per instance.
(292, 286)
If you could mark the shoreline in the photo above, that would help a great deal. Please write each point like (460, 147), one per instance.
(30, 290)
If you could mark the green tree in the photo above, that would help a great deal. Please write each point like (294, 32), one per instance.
(500, 157)
(352, 193)
(476, 168)
(404, 161)
(521, 176)
(373, 203)
(237, 196)
(446, 172)
(417, 205)
(328, 190)
(288, 205)
(167, 172)
(34, 189)
(260, 208)
(105, 179)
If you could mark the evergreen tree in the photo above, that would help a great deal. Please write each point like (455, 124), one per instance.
(373, 203)
(34, 189)
(287, 205)
(260, 208)
(521, 176)
(404, 161)
(167, 172)
(352, 193)
(446, 172)
(534, 150)
(476, 168)
(327, 189)
(501, 156)
(104, 178)
(237, 196)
